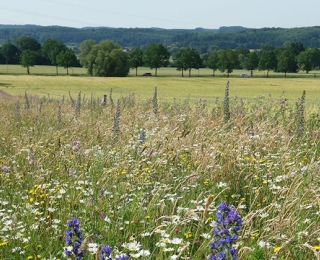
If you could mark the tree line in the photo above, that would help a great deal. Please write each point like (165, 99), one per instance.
(203, 40)
(107, 58)
(28, 52)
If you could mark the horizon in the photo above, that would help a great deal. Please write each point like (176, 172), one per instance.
(166, 15)
(222, 26)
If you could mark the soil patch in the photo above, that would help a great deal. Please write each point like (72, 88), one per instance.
(4, 95)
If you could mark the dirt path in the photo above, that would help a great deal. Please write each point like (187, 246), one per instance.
(4, 95)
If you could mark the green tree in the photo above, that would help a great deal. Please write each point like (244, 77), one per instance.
(28, 43)
(228, 60)
(294, 47)
(156, 56)
(286, 61)
(67, 59)
(51, 48)
(180, 60)
(251, 62)
(316, 56)
(187, 59)
(87, 54)
(213, 61)
(28, 59)
(305, 60)
(2, 58)
(111, 64)
(11, 53)
(267, 61)
(135, 58)
(105, 59)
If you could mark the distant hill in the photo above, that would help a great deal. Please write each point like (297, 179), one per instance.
(200, 38)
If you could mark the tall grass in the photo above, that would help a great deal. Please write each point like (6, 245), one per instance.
(149, 184)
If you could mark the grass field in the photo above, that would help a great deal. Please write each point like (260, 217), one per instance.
(162, 72)
(169, 87)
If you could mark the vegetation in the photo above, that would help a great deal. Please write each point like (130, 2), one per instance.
(108, 58)
(156, 184)
(105, 59)
(168, 82)
(203, 40)
(156, 56)
(187, 59)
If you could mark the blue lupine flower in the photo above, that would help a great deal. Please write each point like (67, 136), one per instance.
(225, 234)
(105, 253)
(74, 239)
(122, 257)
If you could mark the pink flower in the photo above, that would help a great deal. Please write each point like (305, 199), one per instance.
(5, 168)
(76, 146)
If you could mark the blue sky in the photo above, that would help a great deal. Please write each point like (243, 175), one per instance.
(163, 13)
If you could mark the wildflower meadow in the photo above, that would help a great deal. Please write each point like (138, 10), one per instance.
(97, 178)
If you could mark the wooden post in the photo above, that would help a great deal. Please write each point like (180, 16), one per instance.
(104, 100)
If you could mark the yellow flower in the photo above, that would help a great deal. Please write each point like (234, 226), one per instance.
(317, 248)
(30, 257)
(3, 243)
(188, 234)
(276, 249)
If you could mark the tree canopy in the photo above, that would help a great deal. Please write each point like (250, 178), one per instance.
(156, 56)
(251, 61)
(67, 59)
(135, 57)
(268, 61)
(105, 59)
(187, 59)
(51, 48)
(28, 59)
(228, 61)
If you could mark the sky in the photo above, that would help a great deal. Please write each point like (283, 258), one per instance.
(168, 14)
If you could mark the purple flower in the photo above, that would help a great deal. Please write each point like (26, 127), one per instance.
(122, 257)
(74, 239)
(105, 253)
(5, 168)
(225, 234)
(76, 146)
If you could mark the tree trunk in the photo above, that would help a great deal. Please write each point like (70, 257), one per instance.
(182, 73)
(28, 70)
(156, 72)
(136, 71)
(213, 73)
(189, 72)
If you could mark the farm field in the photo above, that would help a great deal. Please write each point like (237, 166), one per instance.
(169, 87)
(169, 172)
(162, 72)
